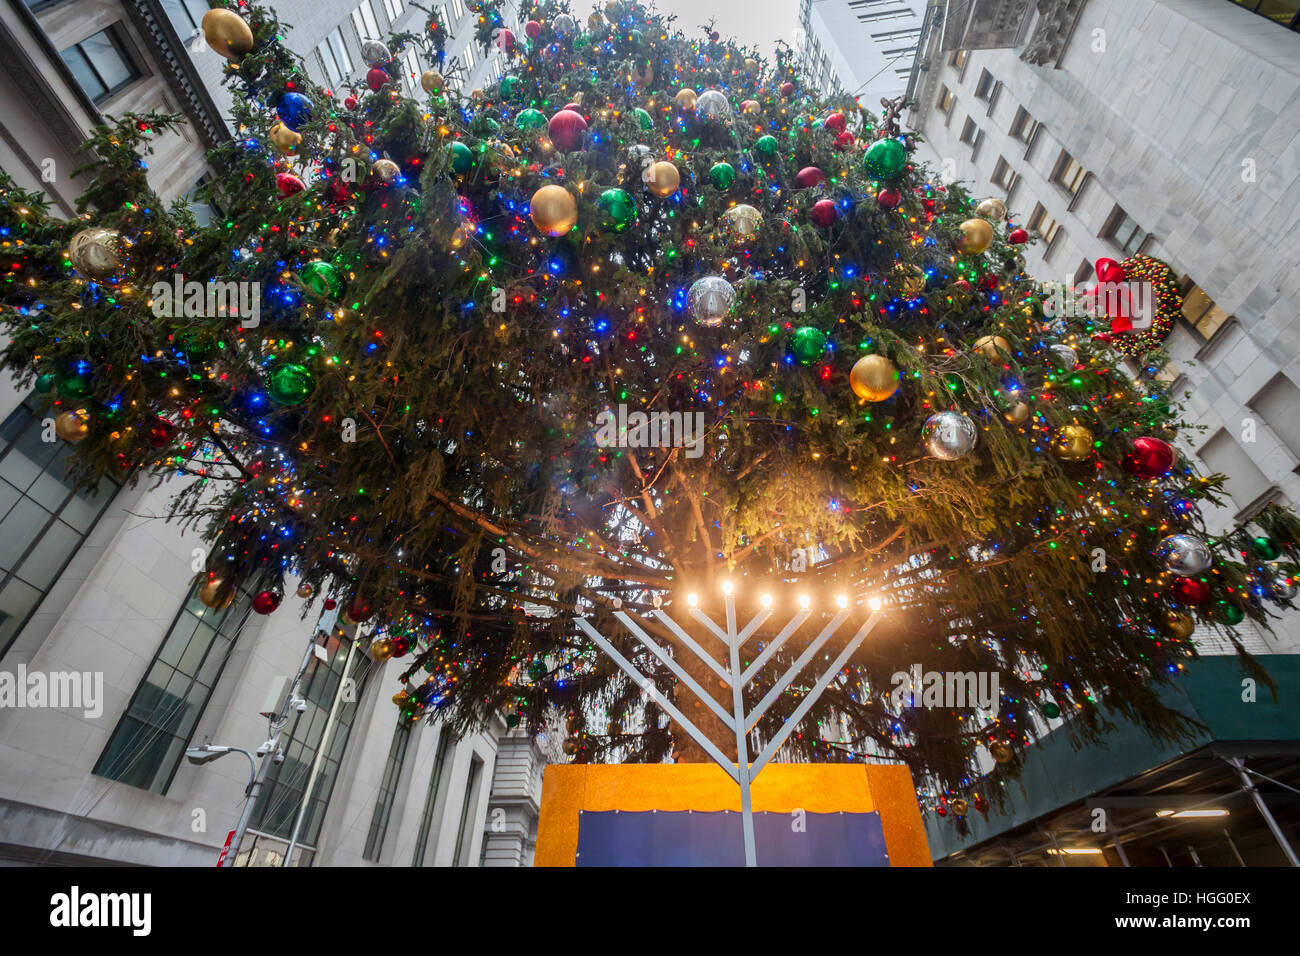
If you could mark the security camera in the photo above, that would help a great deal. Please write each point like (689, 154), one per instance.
(278, 758)
(300, 705)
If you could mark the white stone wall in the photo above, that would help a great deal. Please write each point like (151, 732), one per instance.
(863, 66)
(1166, 104)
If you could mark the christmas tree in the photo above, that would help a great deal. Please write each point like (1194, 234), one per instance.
(644, 317)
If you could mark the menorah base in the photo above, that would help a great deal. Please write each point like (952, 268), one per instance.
(853, 815)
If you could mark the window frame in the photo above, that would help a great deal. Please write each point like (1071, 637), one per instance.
(116, 39)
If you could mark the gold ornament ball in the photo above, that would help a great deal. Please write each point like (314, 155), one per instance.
(1001, 752)
(401, 698)
(912, 278)
(1073, 443)
(431, 81)
(685, 99)
(1017, 413)
(743, 220)
(662, 178)
(96, 252)
(217, 593)
(553, 210)
(1180, 625)
(570, 747)
(72, 427)
(977, 234)
(994, 210)
(227, 33)
(385, 170)
(304, 590)
(382, 649)
(992, 347)
(959, 807)
(286, 139)
(751, 106)
(751, 65)
(595, 21)
(476, 94)
(874, 378)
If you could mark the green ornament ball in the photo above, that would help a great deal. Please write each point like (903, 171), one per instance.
(72, 385)
(582, 41)
(767, 145)
(722, 175)
(1229, 613)
(1051, 711)
(1266, 548)
(512, 720)
(808, 344)
(530, 119)
(290, 384)
(536, 670)
(647, 122)
(462, 157)
(322, 278)
(618, 206)
(886, 159)
(45, 382)
(509, 87)
(486, 126)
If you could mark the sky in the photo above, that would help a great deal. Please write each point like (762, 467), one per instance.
(759, 22)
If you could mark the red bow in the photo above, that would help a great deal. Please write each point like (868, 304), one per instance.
(1116, 301)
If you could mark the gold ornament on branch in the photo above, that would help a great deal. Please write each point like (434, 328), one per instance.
(743, 220)
(553, 210)
(685, 99)
(227, 33)
(1017, 413)
(993, 347)
(874, 378)
(1072, 443)
(217, 593)
(1180, 625)
(431, 81)
(74, 426)
(96, 252)
(977, 235)
(994, 210)
(284, 138)
(911, 277)
(662, 178)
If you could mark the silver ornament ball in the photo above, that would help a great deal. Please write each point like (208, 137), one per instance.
(1064, 356)
(1284, 589)
(375, 52)
(96, 252)
(1184, 555)
(949, 435)
(710, 300)
(565, 25)
(714, 105)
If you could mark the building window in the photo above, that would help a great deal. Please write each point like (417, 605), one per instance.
(1285, 12)
(306, 749)
(185, 15)
(1124, 232)
(469, 59)
(150, 737)
(411, 64)
(458, 8)
(388, 788)
(1276, 403)
(44, 520)
(1004, 175)
(1045, 225)
(911, 33)
(1024, 126)
(1068, 174)
(394, 9)
(334, 57)
(946, 99)
(363, 19)
(463, 841)
(958, 61)
(984, 88)
(100, 64)
(1083, 273)
(969, 132)
(1222, 455)
(1200, 312)
(898, 14)
(432, 796)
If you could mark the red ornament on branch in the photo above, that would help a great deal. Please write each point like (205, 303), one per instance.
(1191, 591)
(566, 129)
(1017, 237)
(265, 602)
(1150, 458)
(836, 122)
(377, 78)
(823, 213)
(808, 177)
(889, 198)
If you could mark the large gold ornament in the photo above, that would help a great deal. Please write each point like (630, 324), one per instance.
(994, 210)
(553, 210)
(431, 81)
(685, 99)
(217, 593)
(751, 107)
(227, 33)
(662, 178)
(73, 427)
(912, 278)
(874, 378)
(385, 171)
(96, 252)
(1072, 443)
(1180, 625)
(1001, 752)
(382, 649)
(977, 234)
(1017, 413)
(992, 347)
(743, 220)
(286, 139)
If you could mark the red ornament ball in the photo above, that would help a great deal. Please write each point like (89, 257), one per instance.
(836, 122)
(359, 610)
(1018, 236)
(1150, 458)
(350, 102)
(1191, 591)
(265, 602)
(889, 198)
(823, 213)
(376, 78)
(566, 128)
(989, 281)
(160, 433)
(288, 184)
(809, 176)
(331, 604)
(963, 285)
(787, 89)
(401, 645)
(532, 29)
(844, 140)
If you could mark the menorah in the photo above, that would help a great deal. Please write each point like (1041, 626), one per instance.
(738, 720)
